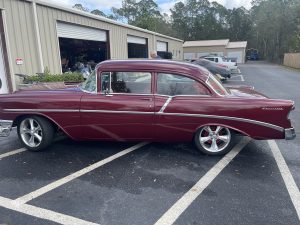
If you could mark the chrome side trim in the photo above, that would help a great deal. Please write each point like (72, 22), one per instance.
(117, 112)
(154, 113)
(225, 118)
(41, 110)
(165, 105)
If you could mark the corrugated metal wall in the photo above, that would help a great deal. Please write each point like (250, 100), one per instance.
(23, 41)
(20, 32)
(48, 16)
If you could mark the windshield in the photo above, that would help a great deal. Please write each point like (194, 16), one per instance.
(90, 84)
(216, 85)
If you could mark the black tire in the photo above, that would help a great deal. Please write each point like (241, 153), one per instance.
(44, 129)
(215, 137)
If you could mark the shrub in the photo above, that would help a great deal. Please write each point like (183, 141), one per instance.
(66, 77)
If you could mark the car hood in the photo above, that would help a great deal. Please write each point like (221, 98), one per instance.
(243, 91)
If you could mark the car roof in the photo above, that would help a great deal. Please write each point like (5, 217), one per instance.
(154, 66)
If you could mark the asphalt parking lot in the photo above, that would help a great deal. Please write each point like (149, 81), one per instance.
(157, 183)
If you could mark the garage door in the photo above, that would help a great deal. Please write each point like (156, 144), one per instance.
(161, 46)
(137, 47)
(237, 54)
(67, 30)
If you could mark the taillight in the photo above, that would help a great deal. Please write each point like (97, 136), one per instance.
(293, 108)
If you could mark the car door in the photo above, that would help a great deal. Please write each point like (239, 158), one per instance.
(122, 110)
(177, 98)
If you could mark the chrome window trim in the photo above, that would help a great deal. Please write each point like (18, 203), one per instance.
(165, 105)
(212, 77)
(195, 80)
(113, 93)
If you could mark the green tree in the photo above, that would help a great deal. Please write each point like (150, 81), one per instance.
(98, 12)
(80, 7)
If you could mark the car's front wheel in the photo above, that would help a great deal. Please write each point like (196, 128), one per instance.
(35, 132)
(214, 140)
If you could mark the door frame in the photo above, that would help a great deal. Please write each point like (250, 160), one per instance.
(5, 52)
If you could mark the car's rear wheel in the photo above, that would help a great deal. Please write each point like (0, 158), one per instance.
(35, 132)
(214, 140)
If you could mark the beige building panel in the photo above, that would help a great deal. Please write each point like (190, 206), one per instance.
(20, 32)
(23, 39)
(238, 50)
(204, 49)
(117, 36)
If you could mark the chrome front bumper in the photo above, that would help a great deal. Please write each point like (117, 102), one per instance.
(290, 133)
(5, 127)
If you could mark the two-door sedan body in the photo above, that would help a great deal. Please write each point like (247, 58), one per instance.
(149, 100)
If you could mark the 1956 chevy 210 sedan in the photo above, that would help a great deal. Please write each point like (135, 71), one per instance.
(149, 100)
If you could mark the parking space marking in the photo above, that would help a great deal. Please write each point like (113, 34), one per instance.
(240, 76)
(64, 180)
(186, 200)
(286, 175)
(42, 213)
(4, 155)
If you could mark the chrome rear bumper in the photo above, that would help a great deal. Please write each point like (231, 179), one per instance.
(5, 127)
(290, 133)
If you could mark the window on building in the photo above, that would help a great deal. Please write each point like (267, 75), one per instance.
(137, 47)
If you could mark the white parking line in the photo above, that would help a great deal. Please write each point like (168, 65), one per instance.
(287, 176)
(240, 76)
(4, 155)
(42, 213)
(183, 203)
(55, 184)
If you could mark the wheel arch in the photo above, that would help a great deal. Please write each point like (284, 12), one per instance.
(224, 125)
(17, 120)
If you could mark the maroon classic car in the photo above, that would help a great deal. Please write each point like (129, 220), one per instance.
(149, 100)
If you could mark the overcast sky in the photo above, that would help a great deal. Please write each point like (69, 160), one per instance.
(165, 5)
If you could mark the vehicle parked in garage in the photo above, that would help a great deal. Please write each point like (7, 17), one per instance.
(223, 61)
(214, 68)
(149, 100)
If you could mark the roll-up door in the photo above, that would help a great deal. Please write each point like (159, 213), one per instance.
(67, 30)
(136, 40)
(236, 54)
(81, 47)
(137, 47)
(161, 46)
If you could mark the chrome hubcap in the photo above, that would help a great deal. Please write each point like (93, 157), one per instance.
(214, 138)
(31, 132)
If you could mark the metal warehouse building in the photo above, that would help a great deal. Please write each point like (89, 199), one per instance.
(36, 35)
(196, 49)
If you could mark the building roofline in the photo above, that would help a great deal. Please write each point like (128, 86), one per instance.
(100, 18)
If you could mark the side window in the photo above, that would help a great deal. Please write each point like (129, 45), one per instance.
(171, 84)
(216, 60)
(126, 82)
